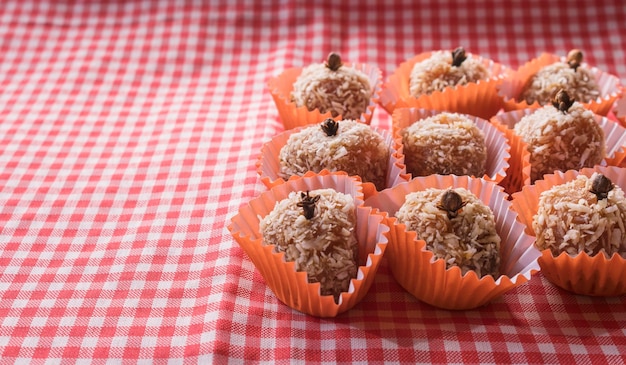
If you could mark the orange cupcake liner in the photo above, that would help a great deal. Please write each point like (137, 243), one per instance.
(518, 174)
(580, 274)
(480, 98)
(291, 287)
(619, 111)
(498, 148)
(426, 278)
(268, 163)
(513, 86)
(293, 116)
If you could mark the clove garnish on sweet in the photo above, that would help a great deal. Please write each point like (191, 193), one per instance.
(458, 56)
(451, 202)
(574, 58)
(330, 127)
(600, 186)
(308, 204)
(333, 62)
(562, 101)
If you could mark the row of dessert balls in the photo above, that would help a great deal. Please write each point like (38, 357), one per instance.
(440, 80)
(454, 242)
(342, 194)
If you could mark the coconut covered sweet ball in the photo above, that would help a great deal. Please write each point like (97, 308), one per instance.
(456, 226)
(561, 137)
(316, 230)
(583, 215)
(333, 87)
(446, 143)
(572, 76)
(345, 145)
(443, 69)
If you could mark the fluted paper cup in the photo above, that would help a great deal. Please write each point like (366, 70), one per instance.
(476, 98)
(619, 111)
(518, 174)
(498, 148)
(511, 89)
(418, 271)
(268, 163)
(291, 287)
(581, 274)
(293, 116)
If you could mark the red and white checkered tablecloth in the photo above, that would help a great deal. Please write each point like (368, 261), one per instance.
(128, 136)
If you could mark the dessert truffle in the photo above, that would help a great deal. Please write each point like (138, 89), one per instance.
(316, 230)
(443, 69)
(345, 145)
(583, 215)
(456, 226)
(333, 87)
(573, 77)
(446, 143)
(561, 136)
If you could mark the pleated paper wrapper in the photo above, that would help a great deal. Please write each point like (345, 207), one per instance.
(581, 274)
(498, 148)
(620, 110)
(293, 116)
(518, 174)
(291, 287)
(511, 89)
(475, 98)
(268, 163)
(415, 268)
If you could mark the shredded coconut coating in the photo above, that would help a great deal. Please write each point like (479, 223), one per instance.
(571, 219)
(344, 92)
(469, 241)
(355, 149)
(561, 141)
(436, 73)
(543, 86)
(324, 246)
(446, 143)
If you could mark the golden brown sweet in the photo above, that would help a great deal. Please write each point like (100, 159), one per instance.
(572, 76)
(443, 69)
(561, 137)
(333, 87)
(316, 230)
(345, 145)
(456, 226)
(446, 143)
(583, 215)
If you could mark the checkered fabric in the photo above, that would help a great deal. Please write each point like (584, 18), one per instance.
(128, 136)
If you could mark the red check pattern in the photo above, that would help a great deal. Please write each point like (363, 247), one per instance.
(128, 136)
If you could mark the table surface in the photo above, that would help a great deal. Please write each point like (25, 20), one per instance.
(128, 136)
